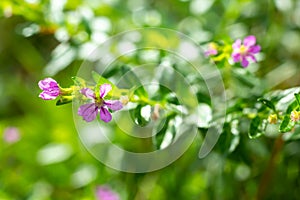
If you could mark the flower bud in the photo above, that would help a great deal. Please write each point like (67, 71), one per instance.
(155, 114)
(11, 135)
(124, 100)
(272, 119)
(50, 89)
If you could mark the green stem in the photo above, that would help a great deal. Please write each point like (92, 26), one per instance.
(67, 91)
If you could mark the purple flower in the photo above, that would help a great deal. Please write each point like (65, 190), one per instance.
(11, 135)
(212, 50)
(105, 193)
(89, 111)
(50, 89)
(243, 52)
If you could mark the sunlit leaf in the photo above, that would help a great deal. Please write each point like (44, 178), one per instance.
(79, 81)
(99, 80)
(132, 80)
(171, 98)
(286, 125)
(291, 107)
(164, 126)
(138, 117)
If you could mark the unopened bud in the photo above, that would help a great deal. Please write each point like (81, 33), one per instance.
(155, 114)
(124, 100)
(272, 119)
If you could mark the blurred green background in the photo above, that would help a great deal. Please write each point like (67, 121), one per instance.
(44, 159)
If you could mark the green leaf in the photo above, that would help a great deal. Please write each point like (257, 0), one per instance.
(137, 116)
(133, 81)
(64, 100)
(267, 103)
(171, 98)
(286, 125)
(78, 81)
(225, 138)
(291, 107)
(297, 95)
(254, 130)
(163, 126)
(99, 80)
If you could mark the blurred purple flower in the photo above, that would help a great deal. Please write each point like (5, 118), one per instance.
(89, 111)
(50, 89)
(105, 193)
(243, 52)
(11, 135)
(212, 50)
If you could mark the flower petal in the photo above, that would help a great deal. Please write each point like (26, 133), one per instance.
(104, 89)
(48, 95)
(113, 104)
(236, 57)
(249, 41)
(251, 57)
(210, 52)
(88, 111)
(254, 49)
(244, 62)
(47, 83)
(89, 93)
(105, 115)
(105, 193)
(236, 44)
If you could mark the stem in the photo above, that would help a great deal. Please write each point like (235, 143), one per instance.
(67, 91)
(267, 175)
(147, 101)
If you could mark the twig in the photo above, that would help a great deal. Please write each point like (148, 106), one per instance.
(267, 175)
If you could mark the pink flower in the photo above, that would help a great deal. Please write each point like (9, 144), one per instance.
(89, 111)
(11, 135)
(243, 52)
(105, 193)
(212, 50)
(50, 89)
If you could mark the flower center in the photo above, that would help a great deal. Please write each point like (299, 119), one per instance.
(99, 102)
(243, 50)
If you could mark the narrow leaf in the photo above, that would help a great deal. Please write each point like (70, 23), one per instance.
(292, 107)
(267, 103)
(137, 116)
(64, 100)
(286, 125)
(160, 135)
(99, 80)
(78, 81)
(132, 80)
(297, 95)
(254, 130)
